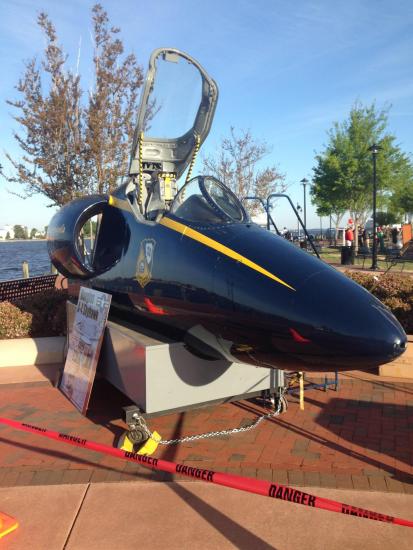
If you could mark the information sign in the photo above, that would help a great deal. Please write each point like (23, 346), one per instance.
(85, 341)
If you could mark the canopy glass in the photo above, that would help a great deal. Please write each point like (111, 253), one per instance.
(206, 200)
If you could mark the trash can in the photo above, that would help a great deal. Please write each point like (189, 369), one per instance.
(347, 255)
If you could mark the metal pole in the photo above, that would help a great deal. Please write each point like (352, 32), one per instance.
(330, 231)
(305, 207)
(374, 150)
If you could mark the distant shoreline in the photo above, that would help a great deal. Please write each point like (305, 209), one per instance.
(23, 240)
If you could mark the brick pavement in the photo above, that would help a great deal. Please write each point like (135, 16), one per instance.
(360, 437)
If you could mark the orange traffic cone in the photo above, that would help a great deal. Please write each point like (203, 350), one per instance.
(7, 524)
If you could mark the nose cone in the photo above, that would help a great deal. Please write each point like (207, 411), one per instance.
(343, 325)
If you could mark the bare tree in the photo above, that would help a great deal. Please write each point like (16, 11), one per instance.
(237, 164)
(71, 147)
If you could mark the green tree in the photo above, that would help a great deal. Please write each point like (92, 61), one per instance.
(33, 233)
(7, 236)
(401, 201)
(343, 175)
(387, 218)
(238, 163)
(72, 146)
(20, 232)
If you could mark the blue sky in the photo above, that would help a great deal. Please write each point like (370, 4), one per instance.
(285, 70)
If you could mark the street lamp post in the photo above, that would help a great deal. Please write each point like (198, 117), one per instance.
(304, 183)
(374, 149)
(298, 222)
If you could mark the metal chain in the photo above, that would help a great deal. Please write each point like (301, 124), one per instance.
(140, 420)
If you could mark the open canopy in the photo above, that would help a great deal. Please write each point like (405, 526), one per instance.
(175, 114)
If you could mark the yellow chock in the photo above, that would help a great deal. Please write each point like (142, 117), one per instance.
(7, 524)
(127, 444)
(150, 445)
(148, 448)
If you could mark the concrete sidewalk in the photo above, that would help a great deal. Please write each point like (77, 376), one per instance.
(193, 515)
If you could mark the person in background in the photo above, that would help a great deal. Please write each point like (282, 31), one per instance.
(360, 236)
(366, 238)
(380, 238)
(349, 236)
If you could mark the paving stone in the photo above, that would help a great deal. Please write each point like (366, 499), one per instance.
(377, 483)
(394, 485)
(196, 457)
(360, 482)
(265, 474)
(236, 457)
(311, 456)
(83, 476)
(231, 470)
(408, 488)
(312, 479)
(41, 477)
(296, 478)
(249, 472)
(327, 480)
(298, 452)
(55, 477)
(25, 478)
(301, 444)
(373, 472)
(3, 472)
(70, 476)
(280, 476)
(344, 481)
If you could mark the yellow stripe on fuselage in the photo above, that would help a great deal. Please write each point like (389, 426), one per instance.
(211, 243)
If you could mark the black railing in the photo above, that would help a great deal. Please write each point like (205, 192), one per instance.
(19, 288)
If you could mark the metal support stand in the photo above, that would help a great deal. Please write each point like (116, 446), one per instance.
(325, 385)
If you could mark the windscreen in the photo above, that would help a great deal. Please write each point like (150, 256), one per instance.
(174, 99)
(207, 200)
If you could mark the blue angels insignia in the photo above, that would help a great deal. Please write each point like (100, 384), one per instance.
(145, 262)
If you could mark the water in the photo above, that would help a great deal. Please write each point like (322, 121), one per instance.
(13, 254)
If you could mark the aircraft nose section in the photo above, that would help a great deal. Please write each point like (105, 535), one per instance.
(346, 325)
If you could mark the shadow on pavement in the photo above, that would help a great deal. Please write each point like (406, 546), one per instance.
(236, 534)
(334, 421)
(231, 530)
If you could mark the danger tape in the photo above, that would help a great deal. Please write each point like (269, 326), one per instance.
(257, 486)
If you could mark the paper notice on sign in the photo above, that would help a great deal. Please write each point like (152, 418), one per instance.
(85, 342)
